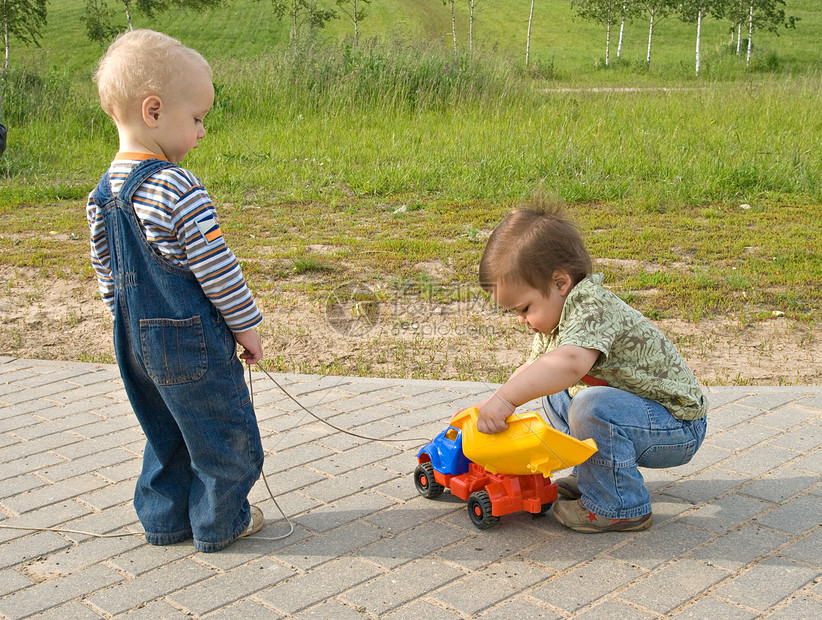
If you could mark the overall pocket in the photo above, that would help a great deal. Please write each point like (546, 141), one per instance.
(174, 351)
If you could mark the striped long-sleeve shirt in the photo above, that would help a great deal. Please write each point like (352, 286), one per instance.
(180, 222)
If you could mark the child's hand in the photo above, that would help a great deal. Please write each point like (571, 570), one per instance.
(492, 414)
(252, 346)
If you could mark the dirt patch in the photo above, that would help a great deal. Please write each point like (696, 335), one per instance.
(372, 333)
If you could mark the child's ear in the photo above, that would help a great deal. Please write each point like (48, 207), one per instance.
(151, 110)
(563, 282)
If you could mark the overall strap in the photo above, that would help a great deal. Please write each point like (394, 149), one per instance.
(139, 174)
(142, 171)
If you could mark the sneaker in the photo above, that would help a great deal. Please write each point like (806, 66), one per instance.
(577, 517)
(256, 523)
(568, 487)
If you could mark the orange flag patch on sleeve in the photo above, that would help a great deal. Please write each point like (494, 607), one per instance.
(210, 230)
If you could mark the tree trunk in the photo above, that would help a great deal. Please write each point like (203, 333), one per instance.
(5, 39)
(528, 39)
(650, 38)
(454, 28)
(356, 27)
(621, 32)
(698, 37)
(471, 30)
(128, 18)
(608, 42)
(750, 35)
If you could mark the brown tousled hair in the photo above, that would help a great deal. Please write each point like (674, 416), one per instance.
(530, 244)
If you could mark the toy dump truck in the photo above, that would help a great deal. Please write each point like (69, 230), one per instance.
(501, 473)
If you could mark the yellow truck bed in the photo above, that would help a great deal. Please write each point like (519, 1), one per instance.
(528, 446)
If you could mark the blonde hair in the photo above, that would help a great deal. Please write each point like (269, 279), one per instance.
(139, 64)
(530, 244)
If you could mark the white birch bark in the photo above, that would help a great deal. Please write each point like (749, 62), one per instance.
(6, 43)
(471, 29)
(621, 32)
(698, 37)
(608, 41)
(356, 27)
(750, 35)
(454, 28)
(650, 38)
(528, 39)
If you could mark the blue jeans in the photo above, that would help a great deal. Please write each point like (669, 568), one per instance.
(180, 369)
(630, 431)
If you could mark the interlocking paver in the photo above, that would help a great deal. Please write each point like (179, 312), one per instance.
(661, 543)
(53, 493)
(51, 593)
(674, 585)
(319, 584)
(796, 516)
(520, 607)
(600, 577)
(74, 610)
(739, 548)
(229, 587)
(614, 609)
(400, 586)
(482, 589)
(726, 513)
(767, 583)
(736, 532)
(321, 549)
(12, 580)
(711, 608)
(149, 586)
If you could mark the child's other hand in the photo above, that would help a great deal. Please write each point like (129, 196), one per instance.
(492, 415)
(252, 346)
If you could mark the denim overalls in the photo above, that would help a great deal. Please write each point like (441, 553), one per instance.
(178, 361)
(630, 432)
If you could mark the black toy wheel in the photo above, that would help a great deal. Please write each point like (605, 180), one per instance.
(479, 509)
(426, 484)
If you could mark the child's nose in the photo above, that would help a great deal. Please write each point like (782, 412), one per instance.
(522, 319)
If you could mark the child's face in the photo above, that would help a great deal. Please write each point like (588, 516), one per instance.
(185, 106)
(539, 311)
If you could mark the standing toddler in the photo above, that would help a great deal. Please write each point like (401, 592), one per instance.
(179, 299)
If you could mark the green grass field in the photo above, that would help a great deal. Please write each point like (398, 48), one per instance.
(703, 193)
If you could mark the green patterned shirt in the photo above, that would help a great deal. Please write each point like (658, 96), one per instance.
(634, 355)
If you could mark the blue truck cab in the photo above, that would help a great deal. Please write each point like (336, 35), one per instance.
(445, 453)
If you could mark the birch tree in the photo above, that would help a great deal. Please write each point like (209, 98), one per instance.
(630, 9)
(737, 12)
(601, 12)
(301, 14)
(528, 37)
(655, 10)
(101, 25)
(453, 25)
(766, 15)
(471, 4)
(355, 11)
(23, 19)
(694, 11)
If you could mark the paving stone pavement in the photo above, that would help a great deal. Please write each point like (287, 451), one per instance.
(736, 532)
